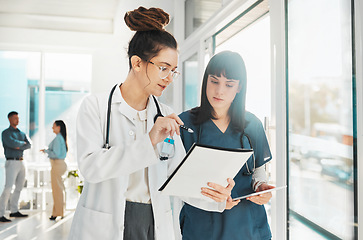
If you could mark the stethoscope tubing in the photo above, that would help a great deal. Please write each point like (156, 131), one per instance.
(107, 145)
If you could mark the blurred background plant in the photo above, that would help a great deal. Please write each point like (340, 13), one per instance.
(74, 173)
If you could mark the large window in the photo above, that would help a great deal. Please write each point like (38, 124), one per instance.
(42, 88)
(191, 81)
(320, 118)
(311, 52)
(249, 35)
(253, 44)
(43, 91)
(18, 71)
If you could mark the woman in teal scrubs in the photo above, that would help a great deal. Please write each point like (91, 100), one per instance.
(221, 121)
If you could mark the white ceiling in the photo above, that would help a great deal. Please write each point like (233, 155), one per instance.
(95, 16)
(68, 15)
(90, 16)
(100, 9)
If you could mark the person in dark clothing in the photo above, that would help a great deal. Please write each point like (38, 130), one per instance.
(222, 121)
(14, 143)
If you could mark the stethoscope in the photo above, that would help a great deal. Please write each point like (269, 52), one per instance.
(242, 145)
(158, 114)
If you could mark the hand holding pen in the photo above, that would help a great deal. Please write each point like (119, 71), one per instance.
(164, 127)
(186, 128)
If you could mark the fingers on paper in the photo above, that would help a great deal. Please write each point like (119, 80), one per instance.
(219, 193)
(215, 195)
(231, 184)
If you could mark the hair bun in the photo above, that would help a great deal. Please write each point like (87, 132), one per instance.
(143, 19)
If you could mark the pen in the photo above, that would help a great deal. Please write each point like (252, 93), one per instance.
(186, 128)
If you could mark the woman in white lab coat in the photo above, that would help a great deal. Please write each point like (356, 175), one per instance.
(120, 198)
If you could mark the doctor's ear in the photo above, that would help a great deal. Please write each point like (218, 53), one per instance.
(136, 62)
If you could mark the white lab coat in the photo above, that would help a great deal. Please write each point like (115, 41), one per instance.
(101, 207)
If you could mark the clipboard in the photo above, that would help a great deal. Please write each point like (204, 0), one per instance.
(203, 164)
(258, 193)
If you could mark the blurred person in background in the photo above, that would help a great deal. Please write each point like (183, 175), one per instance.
(14, 143)
(57, 152)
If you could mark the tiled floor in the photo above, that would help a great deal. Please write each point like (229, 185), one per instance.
(36, 226)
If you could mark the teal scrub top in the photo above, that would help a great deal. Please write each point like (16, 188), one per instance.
(247, 220)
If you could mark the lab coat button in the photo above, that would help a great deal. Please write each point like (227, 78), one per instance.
(131, 133)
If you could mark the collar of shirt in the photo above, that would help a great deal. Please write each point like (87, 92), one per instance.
(14, 129)
(142, 114)
(59, 135)
(129, 112)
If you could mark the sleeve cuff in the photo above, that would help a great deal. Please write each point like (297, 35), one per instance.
(258, 177)
(258, 184)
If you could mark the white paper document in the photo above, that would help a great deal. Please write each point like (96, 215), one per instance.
(201, 165)
(258, 193)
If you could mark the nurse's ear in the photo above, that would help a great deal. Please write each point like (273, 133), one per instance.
(239, 87)
(136, 63)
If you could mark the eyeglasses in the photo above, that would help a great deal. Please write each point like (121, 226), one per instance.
(164, 71)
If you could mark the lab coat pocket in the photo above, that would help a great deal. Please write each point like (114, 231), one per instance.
(96, 225)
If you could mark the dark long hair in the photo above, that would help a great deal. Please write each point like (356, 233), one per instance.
(63, 130)
(230, 65)
(150, 36)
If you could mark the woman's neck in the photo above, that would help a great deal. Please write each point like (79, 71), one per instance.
(133, 94)
(222, 120)
(221, 114)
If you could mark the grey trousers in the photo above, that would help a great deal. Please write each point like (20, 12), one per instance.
(14, 174)
(139, 221)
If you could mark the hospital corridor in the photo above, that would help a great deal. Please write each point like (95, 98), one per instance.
(280, 78)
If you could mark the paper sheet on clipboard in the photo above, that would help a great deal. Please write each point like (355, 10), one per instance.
(201, 165)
